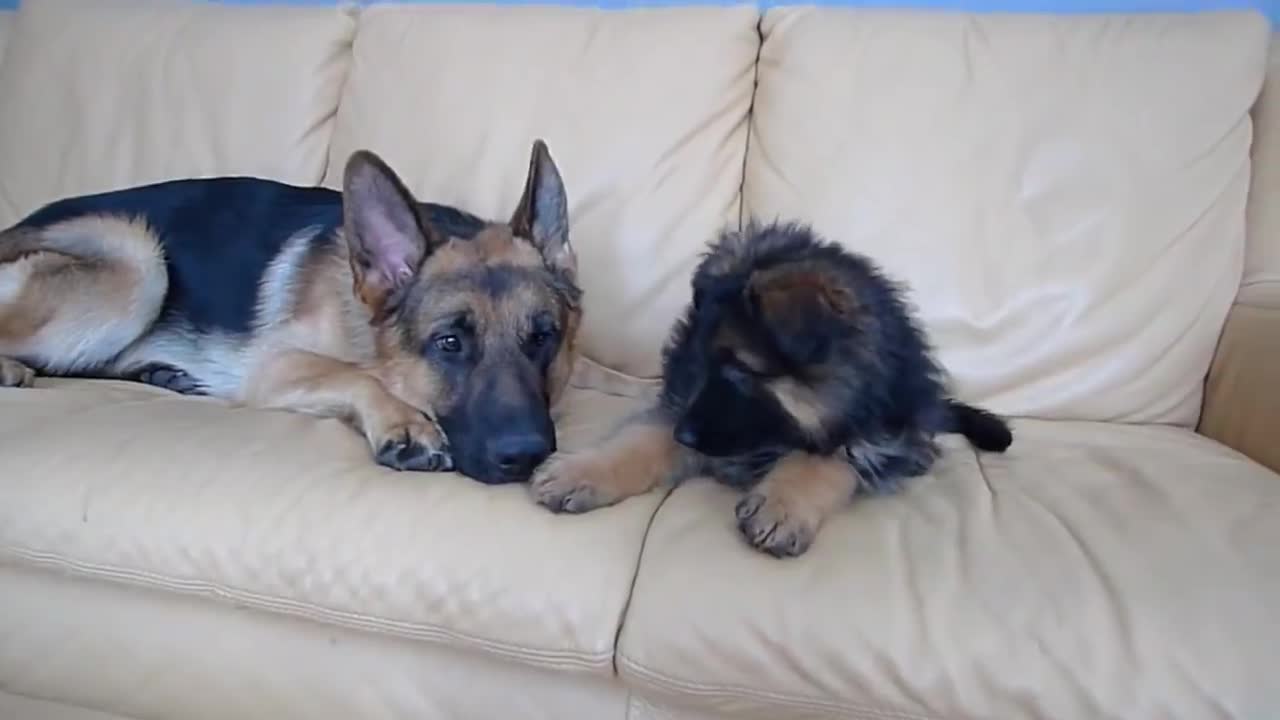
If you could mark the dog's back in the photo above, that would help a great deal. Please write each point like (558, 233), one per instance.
(166, 283)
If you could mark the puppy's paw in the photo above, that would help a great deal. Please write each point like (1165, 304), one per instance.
(770, 526)
(417, 445)
(15, 374)
(571, 484)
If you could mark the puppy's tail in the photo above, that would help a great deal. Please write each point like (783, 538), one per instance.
(983, 428)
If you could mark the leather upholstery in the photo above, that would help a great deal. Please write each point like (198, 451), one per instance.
(997, 587)
(140, 653)
(1068, 201)
(1011, 170)
(1242, 403)
(1262, 261)
(18, 706)
(6, 22)
(133, 91)
(650, 144)
(281, 512)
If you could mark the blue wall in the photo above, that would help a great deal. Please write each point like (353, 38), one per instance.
(1270, 7)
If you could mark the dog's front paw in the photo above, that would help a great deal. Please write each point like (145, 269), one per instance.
(571, 484)
(417, 445)
(770, 526)
(15, 374)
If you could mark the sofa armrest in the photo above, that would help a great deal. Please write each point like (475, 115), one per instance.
(1242, 395)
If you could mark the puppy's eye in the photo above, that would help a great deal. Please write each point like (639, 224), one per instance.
(540, 338)
(448, 343)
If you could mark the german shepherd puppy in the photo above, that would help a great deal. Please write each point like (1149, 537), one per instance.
(796, 374)
(442, 337)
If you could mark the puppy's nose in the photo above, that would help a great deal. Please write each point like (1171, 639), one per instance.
(686, 435)
(517, 455)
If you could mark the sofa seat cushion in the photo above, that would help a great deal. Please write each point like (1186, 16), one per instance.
(289, 513)
(1094, 571)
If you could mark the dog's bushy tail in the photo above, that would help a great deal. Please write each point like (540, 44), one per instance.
(986, 430)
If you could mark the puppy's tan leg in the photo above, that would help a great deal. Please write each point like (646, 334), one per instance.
(637, 457)
(400, 436)
(782, 514)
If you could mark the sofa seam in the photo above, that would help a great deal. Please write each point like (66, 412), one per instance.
(704, 689)
(635, 578)
(72, 704)
(306, 610)
(354, 10)
(1265, 283)
(750, 119)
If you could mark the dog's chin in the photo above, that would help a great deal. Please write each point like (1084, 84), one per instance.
(488, 474)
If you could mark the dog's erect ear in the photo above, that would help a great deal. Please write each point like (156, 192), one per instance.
(387, 242)
(542, 215)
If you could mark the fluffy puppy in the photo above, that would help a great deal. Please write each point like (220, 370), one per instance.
(796, 374)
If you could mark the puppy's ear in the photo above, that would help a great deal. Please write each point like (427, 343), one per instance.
(542, 215)
(799, 307)
(386, 239)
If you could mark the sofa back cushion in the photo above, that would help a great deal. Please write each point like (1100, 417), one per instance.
(1064, 195)
(1261, 283)
(116, 92)
(644, 113)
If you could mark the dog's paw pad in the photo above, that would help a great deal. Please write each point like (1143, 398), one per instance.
(411, 448)
(15, 374)
(768, 527)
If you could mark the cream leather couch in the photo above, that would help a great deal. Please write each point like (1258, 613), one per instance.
(1085, 207)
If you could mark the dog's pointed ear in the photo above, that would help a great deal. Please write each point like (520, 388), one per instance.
(386, 239)
(542, 215)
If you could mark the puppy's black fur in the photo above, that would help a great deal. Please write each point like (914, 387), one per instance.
(794, 343)
(796, 374)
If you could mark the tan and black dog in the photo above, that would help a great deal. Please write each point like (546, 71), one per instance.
(798, 375)
(443, 337)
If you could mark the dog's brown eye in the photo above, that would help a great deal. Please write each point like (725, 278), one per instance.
(449, 343)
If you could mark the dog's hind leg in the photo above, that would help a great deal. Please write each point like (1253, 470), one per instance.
(73, 295)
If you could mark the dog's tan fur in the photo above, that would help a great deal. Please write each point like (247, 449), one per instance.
(637, 457)
(785, 510)
(86, 291)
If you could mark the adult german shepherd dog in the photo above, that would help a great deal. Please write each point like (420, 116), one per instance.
(796, 374)
(442, 337)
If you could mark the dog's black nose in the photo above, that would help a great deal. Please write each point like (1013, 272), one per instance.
(516, 456)
(686, 435)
